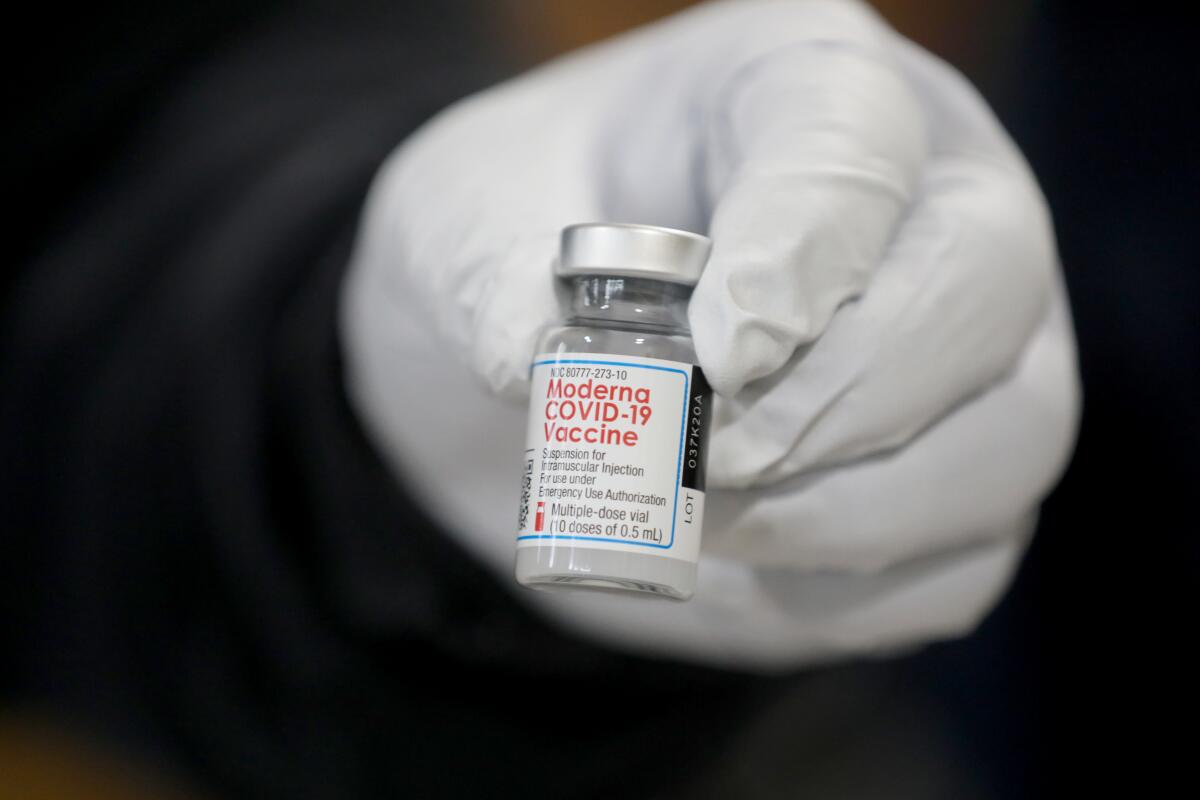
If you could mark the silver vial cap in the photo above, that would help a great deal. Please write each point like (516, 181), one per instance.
(632, 251)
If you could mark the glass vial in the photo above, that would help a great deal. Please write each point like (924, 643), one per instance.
(612, 490)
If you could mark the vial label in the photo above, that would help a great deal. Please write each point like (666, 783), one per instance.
(615, 454)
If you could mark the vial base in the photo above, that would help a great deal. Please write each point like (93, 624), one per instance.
(549, 567)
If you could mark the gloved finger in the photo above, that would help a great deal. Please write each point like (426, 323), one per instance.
(777, 619)
(960, 479)
(949, 310)
(813, 155)
(957, 295)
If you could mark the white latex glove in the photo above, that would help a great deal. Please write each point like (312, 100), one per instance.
(882, 318)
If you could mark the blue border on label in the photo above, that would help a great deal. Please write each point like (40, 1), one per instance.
(678, 464)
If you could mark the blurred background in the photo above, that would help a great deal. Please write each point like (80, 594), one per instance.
(201, 594)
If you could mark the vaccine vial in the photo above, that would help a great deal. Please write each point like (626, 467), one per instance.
(612, 490)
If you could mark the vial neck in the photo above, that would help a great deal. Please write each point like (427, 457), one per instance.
(631, 301)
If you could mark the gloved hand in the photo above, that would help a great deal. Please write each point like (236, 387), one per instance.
(882, 319)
